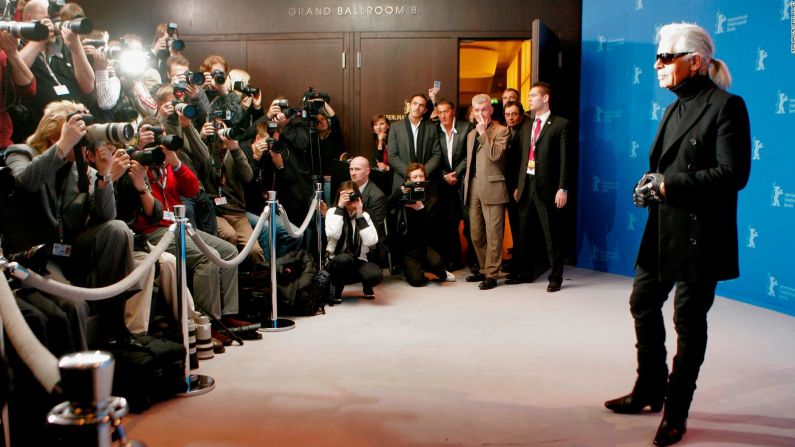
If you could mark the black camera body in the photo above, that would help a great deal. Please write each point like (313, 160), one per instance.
(170, 142)
(275, 146)
(172, 42)
(219, 77)
(194, 77)
(245, 89)
(417, 192)
(273, 126)
(354, 196)
(152, 157)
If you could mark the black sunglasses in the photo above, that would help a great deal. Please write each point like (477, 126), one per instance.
(667, 58)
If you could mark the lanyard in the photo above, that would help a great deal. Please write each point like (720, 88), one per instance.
(162, 181)
(46, 64)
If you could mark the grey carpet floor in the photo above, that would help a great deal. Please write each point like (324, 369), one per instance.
(450, 365)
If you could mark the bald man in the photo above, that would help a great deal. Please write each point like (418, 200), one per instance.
(372, 196)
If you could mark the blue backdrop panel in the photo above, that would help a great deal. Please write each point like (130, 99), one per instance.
(621, 105)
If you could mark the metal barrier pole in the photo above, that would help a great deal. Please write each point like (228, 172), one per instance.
(274, 324)
(318, 198)
(194, 384)
(90, 415)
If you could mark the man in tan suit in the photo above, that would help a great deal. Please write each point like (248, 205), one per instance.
(485, 191)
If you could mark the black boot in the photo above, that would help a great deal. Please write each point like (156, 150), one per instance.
(641, 397)
(671, 429)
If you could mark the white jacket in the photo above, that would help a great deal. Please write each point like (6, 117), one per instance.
(364, 225)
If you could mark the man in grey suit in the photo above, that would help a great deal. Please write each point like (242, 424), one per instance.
(485, 191)
(413, 139)
(452, 135)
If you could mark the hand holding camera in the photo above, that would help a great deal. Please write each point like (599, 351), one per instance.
(208, 130)
(146, 136)
(648, 190)
(9, 44)
(137, 173)
(72, 131)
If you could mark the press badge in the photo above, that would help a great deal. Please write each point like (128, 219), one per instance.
(61, 90)
(220, 201)
(169, 216)
(64, 250)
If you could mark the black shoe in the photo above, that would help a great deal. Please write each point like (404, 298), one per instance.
(488, 283)
(553, 286)
(518, 279)
(632, 404)
(368, 292)
(335, 295)
(670, 432)
(475, 277)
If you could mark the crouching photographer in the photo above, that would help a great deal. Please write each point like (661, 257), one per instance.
(351, 233)
(412, 223)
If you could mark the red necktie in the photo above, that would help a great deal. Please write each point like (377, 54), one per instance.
(531, 162)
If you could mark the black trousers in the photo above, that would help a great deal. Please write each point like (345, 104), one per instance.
(345, 269)
(446, 222)
(549, 216)
(692, 301)
(417, 262)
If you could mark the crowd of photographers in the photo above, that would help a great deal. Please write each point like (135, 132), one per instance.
(102, 138)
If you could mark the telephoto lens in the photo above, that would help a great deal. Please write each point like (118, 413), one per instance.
(87, 118)
(26, 30)
(110, 132)
(80, 25)
(190, 111)
(232, 133)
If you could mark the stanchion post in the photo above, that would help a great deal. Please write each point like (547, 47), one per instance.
(194, 384)
(274, 324)
(318, 200)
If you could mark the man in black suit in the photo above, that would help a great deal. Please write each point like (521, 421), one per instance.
(700, 159)
(541, 186)
(452, 135)
(413, 139)
(515, 120)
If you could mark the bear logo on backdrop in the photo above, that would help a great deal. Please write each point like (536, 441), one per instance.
(761, 55)
(631, 219)
(777, 193)
(636, 75)
(655, 111)
(758, 146)
(633, 151)
(786, 10)
(772, 283)
(752, 235)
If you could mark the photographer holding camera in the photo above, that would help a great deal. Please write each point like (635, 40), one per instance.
(166, 44)
(70, 206)
(187, 87)
(61, 74)
(214, 288)
(413, 223)
(172, 113)
(350, 233)
(215, 86)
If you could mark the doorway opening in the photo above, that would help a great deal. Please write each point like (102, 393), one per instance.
(491, 66)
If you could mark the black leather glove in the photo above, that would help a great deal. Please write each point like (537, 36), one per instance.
(647, 190)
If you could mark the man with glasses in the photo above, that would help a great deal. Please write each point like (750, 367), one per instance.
(699, 161)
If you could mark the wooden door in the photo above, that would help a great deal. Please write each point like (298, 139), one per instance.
(391, 67)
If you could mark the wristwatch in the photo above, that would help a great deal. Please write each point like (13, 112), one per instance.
(107, 178)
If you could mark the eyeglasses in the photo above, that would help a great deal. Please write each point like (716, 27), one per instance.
(667, 58)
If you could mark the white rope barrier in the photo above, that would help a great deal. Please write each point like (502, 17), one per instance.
(41, 362)
(230, 263)
(292, 230)
(36, 281)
